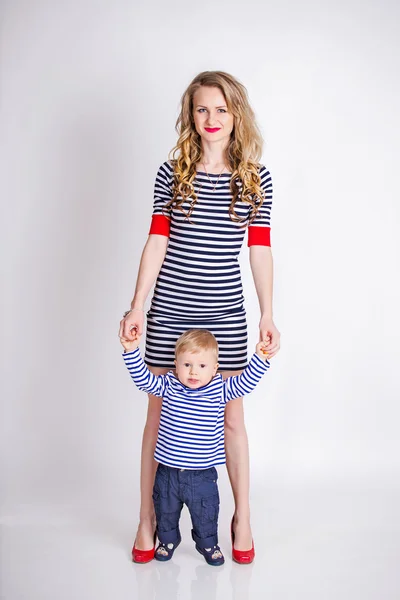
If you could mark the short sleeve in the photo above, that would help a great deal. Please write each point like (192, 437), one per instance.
(160, 222)
(259, 232)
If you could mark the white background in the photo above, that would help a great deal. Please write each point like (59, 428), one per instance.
(90, 93)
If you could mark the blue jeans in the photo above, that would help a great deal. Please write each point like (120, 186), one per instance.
(198, 489)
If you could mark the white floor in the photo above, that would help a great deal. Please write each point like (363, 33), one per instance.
(315, 542)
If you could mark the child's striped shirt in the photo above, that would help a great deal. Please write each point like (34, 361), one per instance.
(191, 431)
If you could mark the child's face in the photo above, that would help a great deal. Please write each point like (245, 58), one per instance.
(195, 369)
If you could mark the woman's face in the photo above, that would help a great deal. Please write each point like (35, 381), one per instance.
(212, 119)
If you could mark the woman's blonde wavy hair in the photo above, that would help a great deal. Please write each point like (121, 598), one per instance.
(242, 153)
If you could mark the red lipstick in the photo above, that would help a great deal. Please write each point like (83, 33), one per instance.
(212, 129)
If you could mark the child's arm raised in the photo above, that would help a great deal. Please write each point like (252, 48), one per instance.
(142, 377)
(239, 385)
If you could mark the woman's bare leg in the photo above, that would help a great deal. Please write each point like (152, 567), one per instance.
(148, 467)
(237, 463)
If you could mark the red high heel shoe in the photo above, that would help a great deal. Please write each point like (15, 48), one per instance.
(144, 556)
(243, 557)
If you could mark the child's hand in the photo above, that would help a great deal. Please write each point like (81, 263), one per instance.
(261, 350)
(130, 345)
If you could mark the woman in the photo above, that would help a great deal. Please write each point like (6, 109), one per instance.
(206, 197)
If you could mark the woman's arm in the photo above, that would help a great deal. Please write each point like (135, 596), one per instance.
(150, 264)
(262, 269)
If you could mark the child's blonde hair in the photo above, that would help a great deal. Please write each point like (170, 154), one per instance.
(196, 340)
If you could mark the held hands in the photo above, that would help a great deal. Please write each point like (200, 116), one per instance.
(130, 345)
(270, 335)
(131, 329)
(261, 350)
(131, 324)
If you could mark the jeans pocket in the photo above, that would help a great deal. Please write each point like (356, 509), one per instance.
(210, 474)
(210, 508)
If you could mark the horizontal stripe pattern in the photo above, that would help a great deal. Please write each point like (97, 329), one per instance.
(230, 331)
(206, 248)
(200, 279)
(191, 430)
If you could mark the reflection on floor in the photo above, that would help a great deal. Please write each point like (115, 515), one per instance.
(322, 543)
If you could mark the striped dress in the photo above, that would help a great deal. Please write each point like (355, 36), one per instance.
(191, 431)
(199, 285)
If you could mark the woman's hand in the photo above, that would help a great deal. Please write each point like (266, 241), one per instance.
(131, 326)
(269, 333)
(128, 345)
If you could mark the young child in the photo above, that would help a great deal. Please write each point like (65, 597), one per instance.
(191, 435)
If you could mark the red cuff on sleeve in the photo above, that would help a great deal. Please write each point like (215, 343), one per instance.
(160, 225)
(259, 236)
